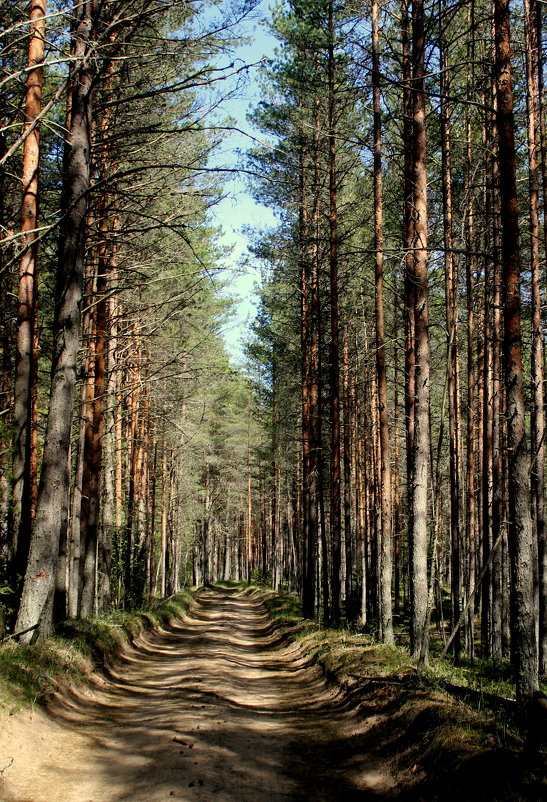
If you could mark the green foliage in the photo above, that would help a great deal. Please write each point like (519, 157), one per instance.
(283, 607)
(259, 579)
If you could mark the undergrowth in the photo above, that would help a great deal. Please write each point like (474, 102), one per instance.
(29, 674)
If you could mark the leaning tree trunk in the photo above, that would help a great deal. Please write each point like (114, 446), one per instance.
(520, 535)
(34, 616)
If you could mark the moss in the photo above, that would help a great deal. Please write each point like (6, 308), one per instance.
(29, 674)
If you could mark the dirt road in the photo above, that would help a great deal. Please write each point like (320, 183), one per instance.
(216, 707)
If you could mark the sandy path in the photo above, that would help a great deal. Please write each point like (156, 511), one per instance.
(216, 707)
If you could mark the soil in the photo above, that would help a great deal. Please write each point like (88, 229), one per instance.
(218, 706)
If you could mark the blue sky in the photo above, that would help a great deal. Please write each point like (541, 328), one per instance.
(238, 209)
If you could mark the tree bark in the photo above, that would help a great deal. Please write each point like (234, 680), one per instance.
(386, 528)
(348, 487)
(453, 373)
(520, 534)
(335, 495)
(421, 453)
(537, 429)
(471, 507)
(24, 453)
(308, 479)
(409, 285)
(52, 507)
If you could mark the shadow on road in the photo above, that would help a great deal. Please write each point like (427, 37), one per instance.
(219, 707)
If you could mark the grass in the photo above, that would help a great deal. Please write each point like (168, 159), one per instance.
(442, 725)
(29, 674)
(357, 652)
(437, 742)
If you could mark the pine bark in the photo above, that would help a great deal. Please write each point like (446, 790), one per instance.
(520, 533)
(335, 463)
(471, 507)
(308, 479)
(453, 373)
(471, 530)
(348, 485)
(386, 528)
(24, 421)
(35, 609)
(421, 452)
(537, 429)
(409, 286)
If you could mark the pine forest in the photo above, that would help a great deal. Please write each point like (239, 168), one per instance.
(378, 451)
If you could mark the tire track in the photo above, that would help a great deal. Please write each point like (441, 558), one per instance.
(214, 707)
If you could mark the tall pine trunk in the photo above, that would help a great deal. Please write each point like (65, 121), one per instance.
(409, 286)
(534, 107)
(335, 496)
(421, 452)
(385, 529)
(453, 373)
(520, 534)
(24, 451)
(35, 610)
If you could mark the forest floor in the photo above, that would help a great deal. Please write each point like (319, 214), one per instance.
(222, 705)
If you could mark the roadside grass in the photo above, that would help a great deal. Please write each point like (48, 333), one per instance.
(442, 725)
(350, 654)
(29, 674)
(486, 677)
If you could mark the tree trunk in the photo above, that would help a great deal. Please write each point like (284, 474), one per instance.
(335, 496)
(537, 428)
(471, 508)
(421, 453)
(95, 432)
(24, 451)
(308, 480)
(52, 506)
(409, 285)
(386, 529)
(348, 488)
(451, 294)
(520, 532)
(163, 540)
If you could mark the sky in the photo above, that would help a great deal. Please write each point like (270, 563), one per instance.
(238, 209)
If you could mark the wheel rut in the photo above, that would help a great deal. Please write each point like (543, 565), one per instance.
(216, 706)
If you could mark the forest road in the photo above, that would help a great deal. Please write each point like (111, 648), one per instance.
(215, 707)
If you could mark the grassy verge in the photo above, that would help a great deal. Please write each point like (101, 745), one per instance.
(28, 674)
(447, 731)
